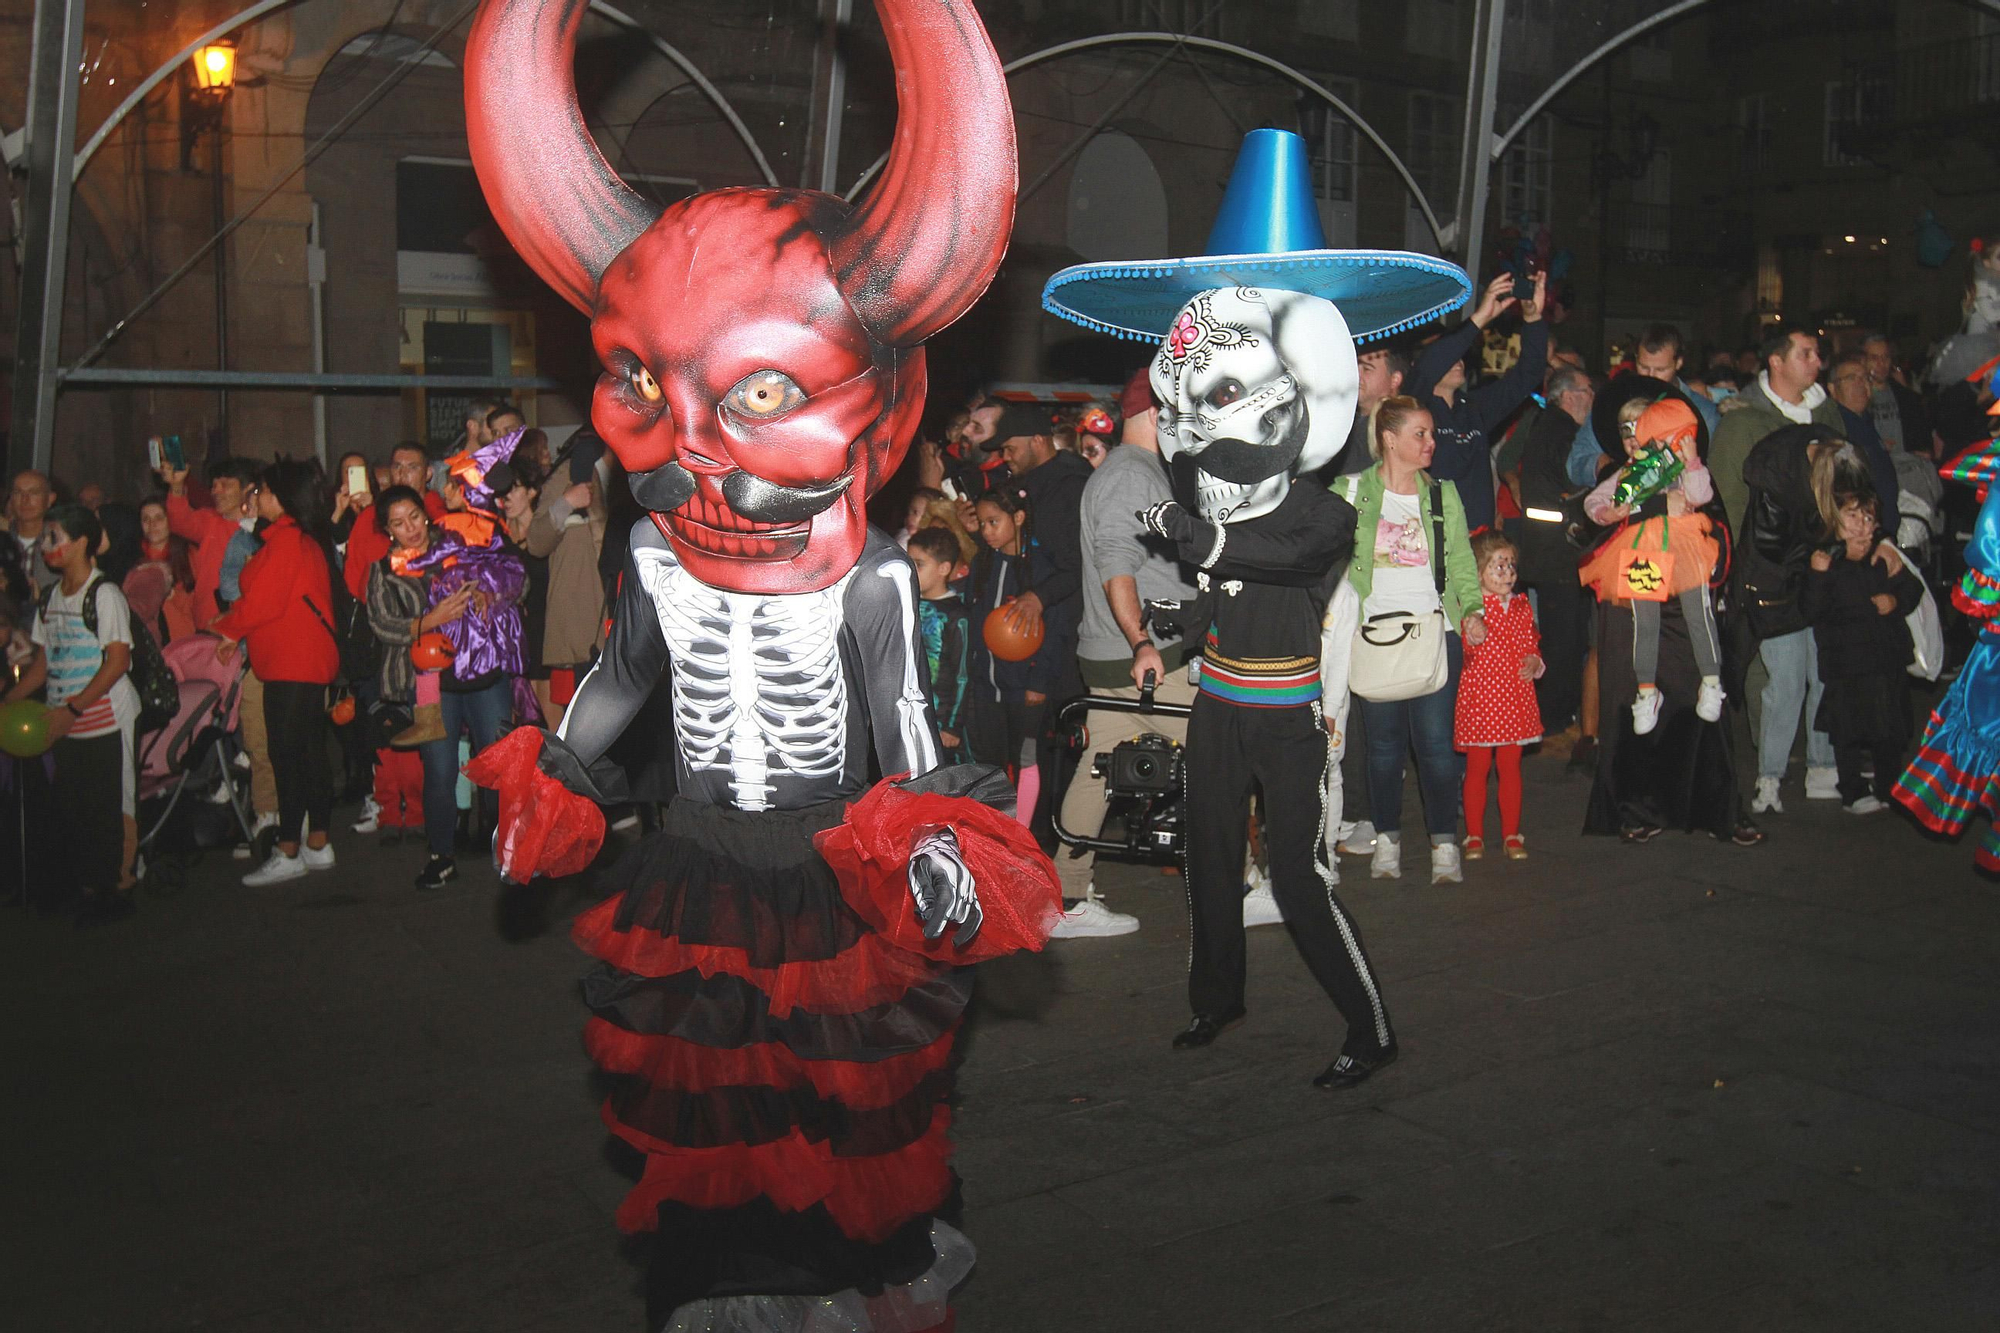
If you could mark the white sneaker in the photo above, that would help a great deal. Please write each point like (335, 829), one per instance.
(1445, 868)
(1822, 784)
(1865, 805)
(317, 858)
(1646, 711)
(1360, 840)
(1387, 861)
(276, 870)
(1091, 919)
(1708, 704)
(1766, 801)
(371, 814)
(1260, 907)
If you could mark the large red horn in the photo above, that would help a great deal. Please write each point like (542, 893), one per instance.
(555, 196)
(924, 244)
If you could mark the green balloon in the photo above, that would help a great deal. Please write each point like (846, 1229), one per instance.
(24, 729)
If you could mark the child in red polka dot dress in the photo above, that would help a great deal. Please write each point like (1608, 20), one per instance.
(1496, 713)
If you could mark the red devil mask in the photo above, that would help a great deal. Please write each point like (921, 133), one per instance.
(762, 369)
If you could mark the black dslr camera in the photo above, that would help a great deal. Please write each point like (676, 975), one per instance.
(1144, 781)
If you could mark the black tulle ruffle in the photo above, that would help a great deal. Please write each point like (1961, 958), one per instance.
(760, 1250)
(761, 1115)
(738, 879)
(727, 1011)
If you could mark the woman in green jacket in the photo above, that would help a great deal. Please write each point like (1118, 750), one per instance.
(1400, 507)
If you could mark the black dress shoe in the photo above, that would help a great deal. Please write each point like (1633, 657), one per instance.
(1347, 1070)
(1205, 1029)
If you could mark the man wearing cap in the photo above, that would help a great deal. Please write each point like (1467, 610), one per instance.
(1115, 652)
(1052, 481)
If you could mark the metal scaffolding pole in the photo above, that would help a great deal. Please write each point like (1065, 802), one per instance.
(1482, 91)
(53, 75)
(829, 98)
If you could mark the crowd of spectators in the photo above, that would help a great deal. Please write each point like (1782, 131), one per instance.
(309, 585)
(1023, 528)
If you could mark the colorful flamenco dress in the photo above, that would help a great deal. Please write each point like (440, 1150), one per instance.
(778, 1026)
(1956, 773)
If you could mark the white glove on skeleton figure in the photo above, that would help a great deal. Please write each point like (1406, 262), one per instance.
(942, 887)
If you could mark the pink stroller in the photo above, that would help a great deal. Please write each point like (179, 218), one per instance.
(194, 756)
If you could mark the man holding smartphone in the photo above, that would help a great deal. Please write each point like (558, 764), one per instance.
(409, 466)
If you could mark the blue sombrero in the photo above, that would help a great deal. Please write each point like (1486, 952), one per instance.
(1267, 234)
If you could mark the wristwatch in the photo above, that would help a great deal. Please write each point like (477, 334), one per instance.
(74, 711)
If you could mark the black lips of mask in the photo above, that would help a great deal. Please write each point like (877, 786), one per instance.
(1245, 463)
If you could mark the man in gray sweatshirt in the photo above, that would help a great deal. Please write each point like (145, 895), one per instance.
(1121, 572)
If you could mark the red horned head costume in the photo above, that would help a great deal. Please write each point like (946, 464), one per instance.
(762, 368)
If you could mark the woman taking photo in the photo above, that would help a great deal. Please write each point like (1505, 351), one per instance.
(401, 588)
(1412, 562)
(286, 616)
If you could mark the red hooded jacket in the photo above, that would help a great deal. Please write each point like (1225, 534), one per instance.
(286, 611)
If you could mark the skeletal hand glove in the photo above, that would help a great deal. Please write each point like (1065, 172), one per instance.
(1193, 536)
(942, 887)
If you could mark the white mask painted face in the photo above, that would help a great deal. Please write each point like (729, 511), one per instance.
(1254, 387)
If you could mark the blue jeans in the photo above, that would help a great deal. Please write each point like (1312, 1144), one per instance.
(1794, 667)
(1425, 725)
(486, 714)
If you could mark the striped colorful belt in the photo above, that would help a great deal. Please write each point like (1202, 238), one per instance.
(1260, 682)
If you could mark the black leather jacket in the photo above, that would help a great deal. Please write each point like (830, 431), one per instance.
(1780, 529)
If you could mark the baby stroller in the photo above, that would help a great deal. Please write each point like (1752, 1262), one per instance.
(190, 798)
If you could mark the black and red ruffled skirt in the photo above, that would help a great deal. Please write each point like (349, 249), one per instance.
(781, 1036)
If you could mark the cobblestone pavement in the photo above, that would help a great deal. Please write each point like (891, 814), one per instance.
(1679, 1086)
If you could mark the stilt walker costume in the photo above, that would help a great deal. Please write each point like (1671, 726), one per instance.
(1956, 773)
(1256, 383)
(784, 964)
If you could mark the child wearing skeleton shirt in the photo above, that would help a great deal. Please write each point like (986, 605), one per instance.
(1668, 531)
(1496, 713)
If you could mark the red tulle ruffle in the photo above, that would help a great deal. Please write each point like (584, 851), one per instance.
(545, 829)
(869, 972)
(1017, 885)
(867, 1197)
(669, 1062)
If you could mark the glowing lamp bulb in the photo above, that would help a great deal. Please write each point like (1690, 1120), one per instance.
(215, 68)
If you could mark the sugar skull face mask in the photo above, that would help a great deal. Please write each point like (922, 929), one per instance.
(1255, 386)
(762, 369)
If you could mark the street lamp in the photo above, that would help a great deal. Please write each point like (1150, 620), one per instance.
(204, 97)
(215, 68)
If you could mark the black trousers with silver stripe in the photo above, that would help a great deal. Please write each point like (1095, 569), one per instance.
(1285, 751)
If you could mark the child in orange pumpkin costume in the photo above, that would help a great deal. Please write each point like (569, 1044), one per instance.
(1663, 547)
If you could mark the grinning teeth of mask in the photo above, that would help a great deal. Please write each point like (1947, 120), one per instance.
(1218, 499)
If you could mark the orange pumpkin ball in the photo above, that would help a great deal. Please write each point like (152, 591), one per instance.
(1007, 642)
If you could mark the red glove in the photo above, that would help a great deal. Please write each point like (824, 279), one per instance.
(545, 828)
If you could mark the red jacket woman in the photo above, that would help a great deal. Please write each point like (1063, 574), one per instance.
(286, 611)
(286, 616)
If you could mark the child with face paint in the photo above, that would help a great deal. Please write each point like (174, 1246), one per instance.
(1496, 713)
(85, 637)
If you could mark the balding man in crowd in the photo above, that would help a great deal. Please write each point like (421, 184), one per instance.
(27, 506)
